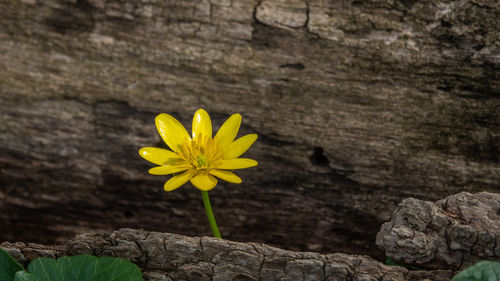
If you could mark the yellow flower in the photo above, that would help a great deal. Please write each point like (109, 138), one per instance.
(199, 158)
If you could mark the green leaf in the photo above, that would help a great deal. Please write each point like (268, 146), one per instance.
(481, 271)
(24, 276)
(81, 268)
(45, 269)
(8, 266)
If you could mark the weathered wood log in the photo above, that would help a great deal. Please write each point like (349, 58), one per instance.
(167, 257)
(358, 104)
(452, 233)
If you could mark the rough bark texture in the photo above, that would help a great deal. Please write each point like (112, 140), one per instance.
(167, 257)
(358, 104)
(455, 232)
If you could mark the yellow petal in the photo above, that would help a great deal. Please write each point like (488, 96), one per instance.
(235, 163)
(204, 181)
(202, 125)
(226, 175)
(176, 181)
(171, 131)
(228, 130)
(167, 169)
(160, 156)
(239, 146)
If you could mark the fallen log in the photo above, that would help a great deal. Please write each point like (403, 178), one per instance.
(169, 257)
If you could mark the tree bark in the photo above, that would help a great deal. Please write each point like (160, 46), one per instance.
(357, 104)
(168, 257)
(452, 233)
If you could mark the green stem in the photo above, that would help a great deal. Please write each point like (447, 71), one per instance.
(210, 214)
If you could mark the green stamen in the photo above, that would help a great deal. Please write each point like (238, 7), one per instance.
(202, 160)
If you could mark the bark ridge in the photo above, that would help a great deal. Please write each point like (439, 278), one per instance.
(454, 232)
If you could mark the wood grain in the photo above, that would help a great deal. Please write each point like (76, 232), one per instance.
(357, 104)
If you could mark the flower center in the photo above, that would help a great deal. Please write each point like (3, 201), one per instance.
(200, 152)
(202, 160)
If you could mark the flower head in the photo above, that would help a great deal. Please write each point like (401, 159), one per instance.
(199, 158)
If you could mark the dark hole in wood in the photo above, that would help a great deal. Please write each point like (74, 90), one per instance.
(318, 158)
(128, 214)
